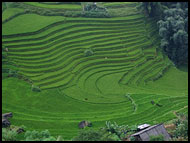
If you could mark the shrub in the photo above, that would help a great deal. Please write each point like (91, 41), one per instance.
(132, 138)
(181, 127)
(92, 14)
(12, 73)
(120, 131)
(157, 138)
(38, 136)
(36, 88)
(72, 14)
(88, 135)
(88, 52)
(108, 136)
(9, 135)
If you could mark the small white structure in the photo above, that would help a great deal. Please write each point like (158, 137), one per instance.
(141, 127)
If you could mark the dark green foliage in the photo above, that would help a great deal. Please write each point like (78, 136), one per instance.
(38, 136)
(90, 9)
(173, 30)
(111, 132)
(36, 88)
(132, 138)
(93, 14)
(88, 135)
(120, 131)
(152, 9)
(12, 73)
(13, 134)
(71, 14)
(92, 135)
(157, 138)
(88, 52)
(181, 126)
(9, 135)
(108, 136)
(91, 6)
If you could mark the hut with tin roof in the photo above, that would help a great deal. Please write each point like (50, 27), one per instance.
(156, 130)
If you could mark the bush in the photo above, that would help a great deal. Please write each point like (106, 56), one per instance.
(132, 138)
(36, 88)
(108, 136)
(88, 135)
(92, 14)
(72, 14)
(38, 136)
(9, 135)
(88, 52)
(12, 73)
(157, 138)
(120, 131)
(181, 127)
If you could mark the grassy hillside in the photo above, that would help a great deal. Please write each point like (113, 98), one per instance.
(126, 60)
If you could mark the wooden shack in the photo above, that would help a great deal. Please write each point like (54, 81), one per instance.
(83, 124)
(155, 130)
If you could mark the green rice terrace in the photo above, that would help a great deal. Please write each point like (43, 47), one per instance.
(117, 81)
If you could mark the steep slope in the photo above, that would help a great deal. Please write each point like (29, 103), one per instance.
(50, 52)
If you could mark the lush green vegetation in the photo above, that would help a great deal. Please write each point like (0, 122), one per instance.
(108, 132)
(173, 28)
(60, 6)
(174, 33)
(84, 68)
(9, 12)
(157, 138)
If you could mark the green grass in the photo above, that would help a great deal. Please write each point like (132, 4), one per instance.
(9, 12)
(108, 4)
(63, 6)
(28, 23)
(50, 52)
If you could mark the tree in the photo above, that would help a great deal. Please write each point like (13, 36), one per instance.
(151, 8)
(173, 31)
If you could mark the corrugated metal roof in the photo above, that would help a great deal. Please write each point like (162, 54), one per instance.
(153, 131)
(145, 130)
(143, 126)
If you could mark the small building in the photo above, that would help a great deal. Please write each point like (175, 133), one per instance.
(156, 130)
(142, 127)
(83, 124)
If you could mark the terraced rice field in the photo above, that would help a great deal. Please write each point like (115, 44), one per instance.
(126, 60)
(55, 6)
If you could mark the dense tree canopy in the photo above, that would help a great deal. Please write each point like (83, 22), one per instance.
(173, 31)
(173, 27)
